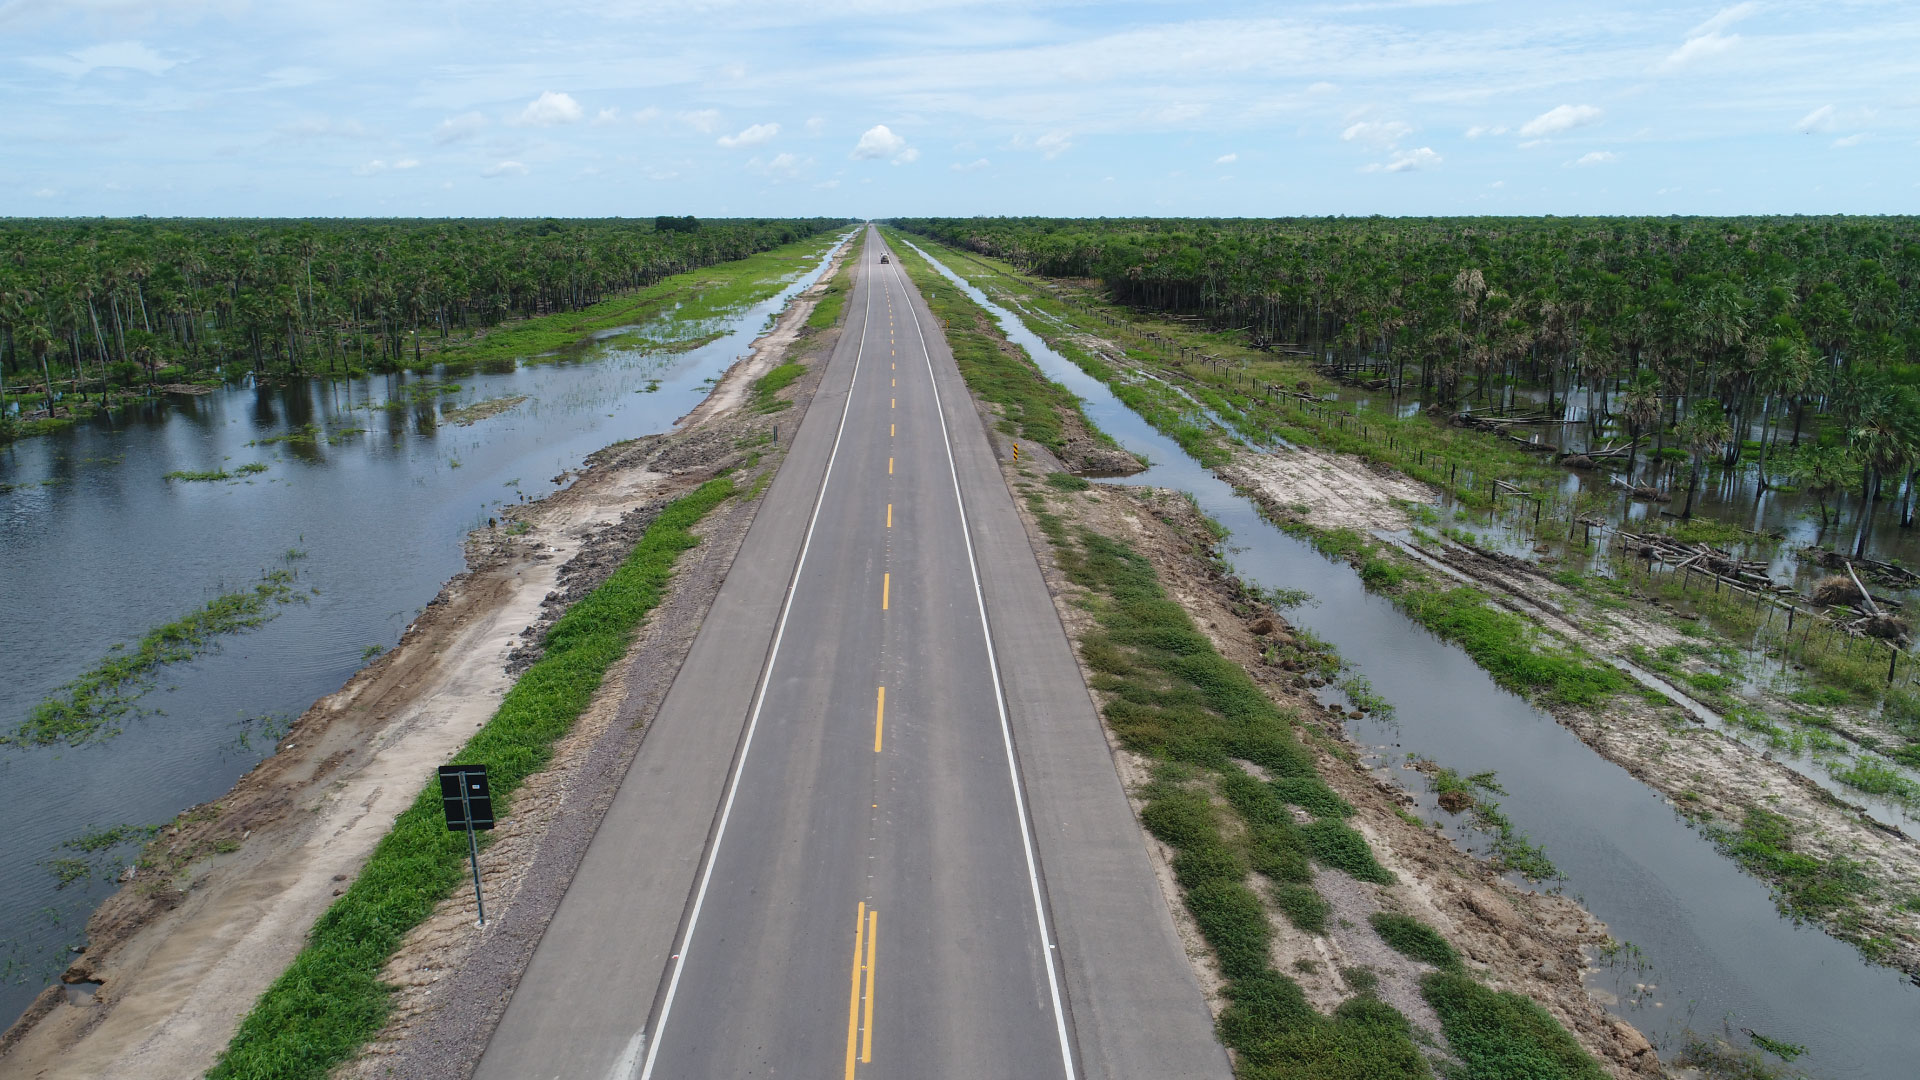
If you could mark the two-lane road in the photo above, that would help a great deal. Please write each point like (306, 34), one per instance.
(863, 894)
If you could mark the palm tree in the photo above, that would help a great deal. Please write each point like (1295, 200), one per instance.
(1704, 431)
(1640, 408)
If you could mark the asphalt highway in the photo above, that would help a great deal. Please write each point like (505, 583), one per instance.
(875, 829)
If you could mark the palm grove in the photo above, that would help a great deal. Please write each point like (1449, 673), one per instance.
(89, 306)
(1789, 346)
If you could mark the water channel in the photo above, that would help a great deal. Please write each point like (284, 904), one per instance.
(1712, 949)
(95, 548)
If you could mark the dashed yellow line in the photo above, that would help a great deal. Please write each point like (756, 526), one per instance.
(886, 580)
(889, 466)
(889, 515)
(879, 718)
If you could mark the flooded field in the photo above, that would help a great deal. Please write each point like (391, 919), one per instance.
(363, 493)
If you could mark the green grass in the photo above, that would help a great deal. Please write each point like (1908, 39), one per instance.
(826, 312)
(197, 475)
(1510, 648)
(1498, 1035)
(93, 705)
(1068, 481)
(330, 1000)
(766, 388)
(1805, 886)
(1414, 939)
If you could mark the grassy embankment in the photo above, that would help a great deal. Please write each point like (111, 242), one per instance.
(93, 705)
(700, 295)
(331, 1000)
(1170, 697)
(1513, 650)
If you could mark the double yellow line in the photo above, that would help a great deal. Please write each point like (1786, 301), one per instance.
(866, 931)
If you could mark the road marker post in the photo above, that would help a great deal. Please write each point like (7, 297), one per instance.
(469, 807)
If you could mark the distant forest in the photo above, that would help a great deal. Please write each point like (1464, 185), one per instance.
(89, 304)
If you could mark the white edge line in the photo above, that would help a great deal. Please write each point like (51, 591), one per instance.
(753, 721)
(999, 700)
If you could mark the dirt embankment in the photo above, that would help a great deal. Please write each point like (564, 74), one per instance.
(221, 901)
(1704, 773)
(1534, 943)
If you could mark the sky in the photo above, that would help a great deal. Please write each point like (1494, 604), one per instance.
(876, 108)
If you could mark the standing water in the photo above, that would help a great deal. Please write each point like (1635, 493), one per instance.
(95, 548)
(1712, 949)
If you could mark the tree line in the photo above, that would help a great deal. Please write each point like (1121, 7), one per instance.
(1718, 337)
(96, 302)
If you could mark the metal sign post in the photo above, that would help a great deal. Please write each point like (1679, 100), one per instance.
(469, 805)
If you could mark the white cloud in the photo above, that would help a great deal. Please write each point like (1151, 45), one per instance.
(783, 167)
(504, 168)
(1376, 132)
(406, 163)
(1226, 159)
(1820, 119)
(124, 55)
(753, 136)
(548, 109)
(44, 193)
(972, 166)
(646, 116)
(878, 141)
(1406, 161)
(704, 121)
(1695, 48)
(1322, 88)
(1596, 157)
(828, 185)
(455, 128)
(816, 125)
(1558, 119)
(1478, 130)
(371, 167)
(1054, 143)
(605, 117)
(1850, 140)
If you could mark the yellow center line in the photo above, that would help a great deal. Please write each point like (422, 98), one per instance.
(889, 431)
(889, 466)
(889, 515)
(893, 403)
(879, 718)
(866, 1024)
(886, 580)
(893, 382)
(853, 1002)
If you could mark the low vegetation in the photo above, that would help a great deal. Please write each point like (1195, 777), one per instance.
(93, 705)
(331, 1000)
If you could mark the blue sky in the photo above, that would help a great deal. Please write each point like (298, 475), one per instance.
(884, 107)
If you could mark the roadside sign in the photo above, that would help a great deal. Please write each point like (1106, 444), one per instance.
(469, 806)
(464, 793)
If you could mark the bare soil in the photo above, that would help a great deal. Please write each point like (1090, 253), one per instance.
(1533, 943)
(222, 900)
